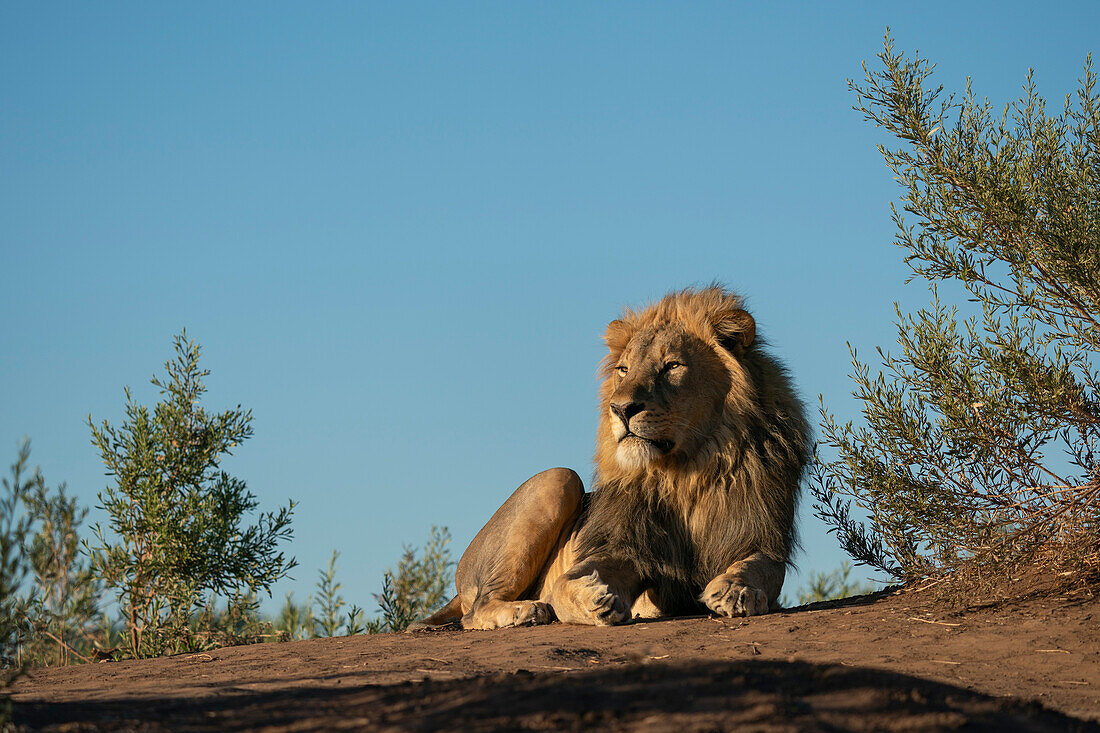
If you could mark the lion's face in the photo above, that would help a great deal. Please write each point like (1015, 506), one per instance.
(667, 390)
(673, 380)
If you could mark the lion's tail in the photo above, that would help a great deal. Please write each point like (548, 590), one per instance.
(451, 612)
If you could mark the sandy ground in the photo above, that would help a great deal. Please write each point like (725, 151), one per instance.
(882, 662)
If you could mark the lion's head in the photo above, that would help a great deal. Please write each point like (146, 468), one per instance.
(677, 378)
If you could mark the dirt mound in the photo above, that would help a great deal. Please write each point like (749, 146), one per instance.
(882, 663)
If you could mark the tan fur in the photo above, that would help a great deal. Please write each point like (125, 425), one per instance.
(700, 449)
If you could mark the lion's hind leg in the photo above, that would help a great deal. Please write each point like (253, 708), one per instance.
(499, 575)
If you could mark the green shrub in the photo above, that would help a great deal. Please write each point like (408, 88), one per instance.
(833, 585)
(978, 447)
(329, 618)
(295, 621)
(238, 622)
(413, 591)
(176, 537)
(14, 528)
(65, 599)
(419, 585)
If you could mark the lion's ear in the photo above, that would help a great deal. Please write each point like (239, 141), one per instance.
(735, 329)
(617, 336)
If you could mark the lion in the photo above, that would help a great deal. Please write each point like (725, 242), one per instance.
(700, 450)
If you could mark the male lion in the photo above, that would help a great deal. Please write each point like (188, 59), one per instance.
(700, 451)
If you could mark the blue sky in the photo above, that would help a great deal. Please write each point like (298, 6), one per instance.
(399, 230)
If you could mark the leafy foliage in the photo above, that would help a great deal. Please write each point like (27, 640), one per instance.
(14, 528)
(174, 546)
(238, 622)
(295, 621)
(835, 584)
(397, 610)
(54, 620)
(329, 602)
(979, 439)
(419, 584)
(65, 601)
(175, 538)
(328, 617)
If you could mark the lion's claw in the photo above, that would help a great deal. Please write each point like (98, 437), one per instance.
(608, 609)
(730, 597)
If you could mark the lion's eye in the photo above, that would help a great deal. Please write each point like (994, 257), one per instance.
(622, 370)
(672, 365)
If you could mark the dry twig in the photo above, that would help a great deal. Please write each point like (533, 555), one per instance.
(928, 621)
(74, 651)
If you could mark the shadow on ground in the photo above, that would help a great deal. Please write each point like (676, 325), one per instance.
(754, 695)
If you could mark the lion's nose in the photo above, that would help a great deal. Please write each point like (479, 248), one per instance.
(626, 410)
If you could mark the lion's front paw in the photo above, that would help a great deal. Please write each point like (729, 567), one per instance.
(588, 600)
(730, 597)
